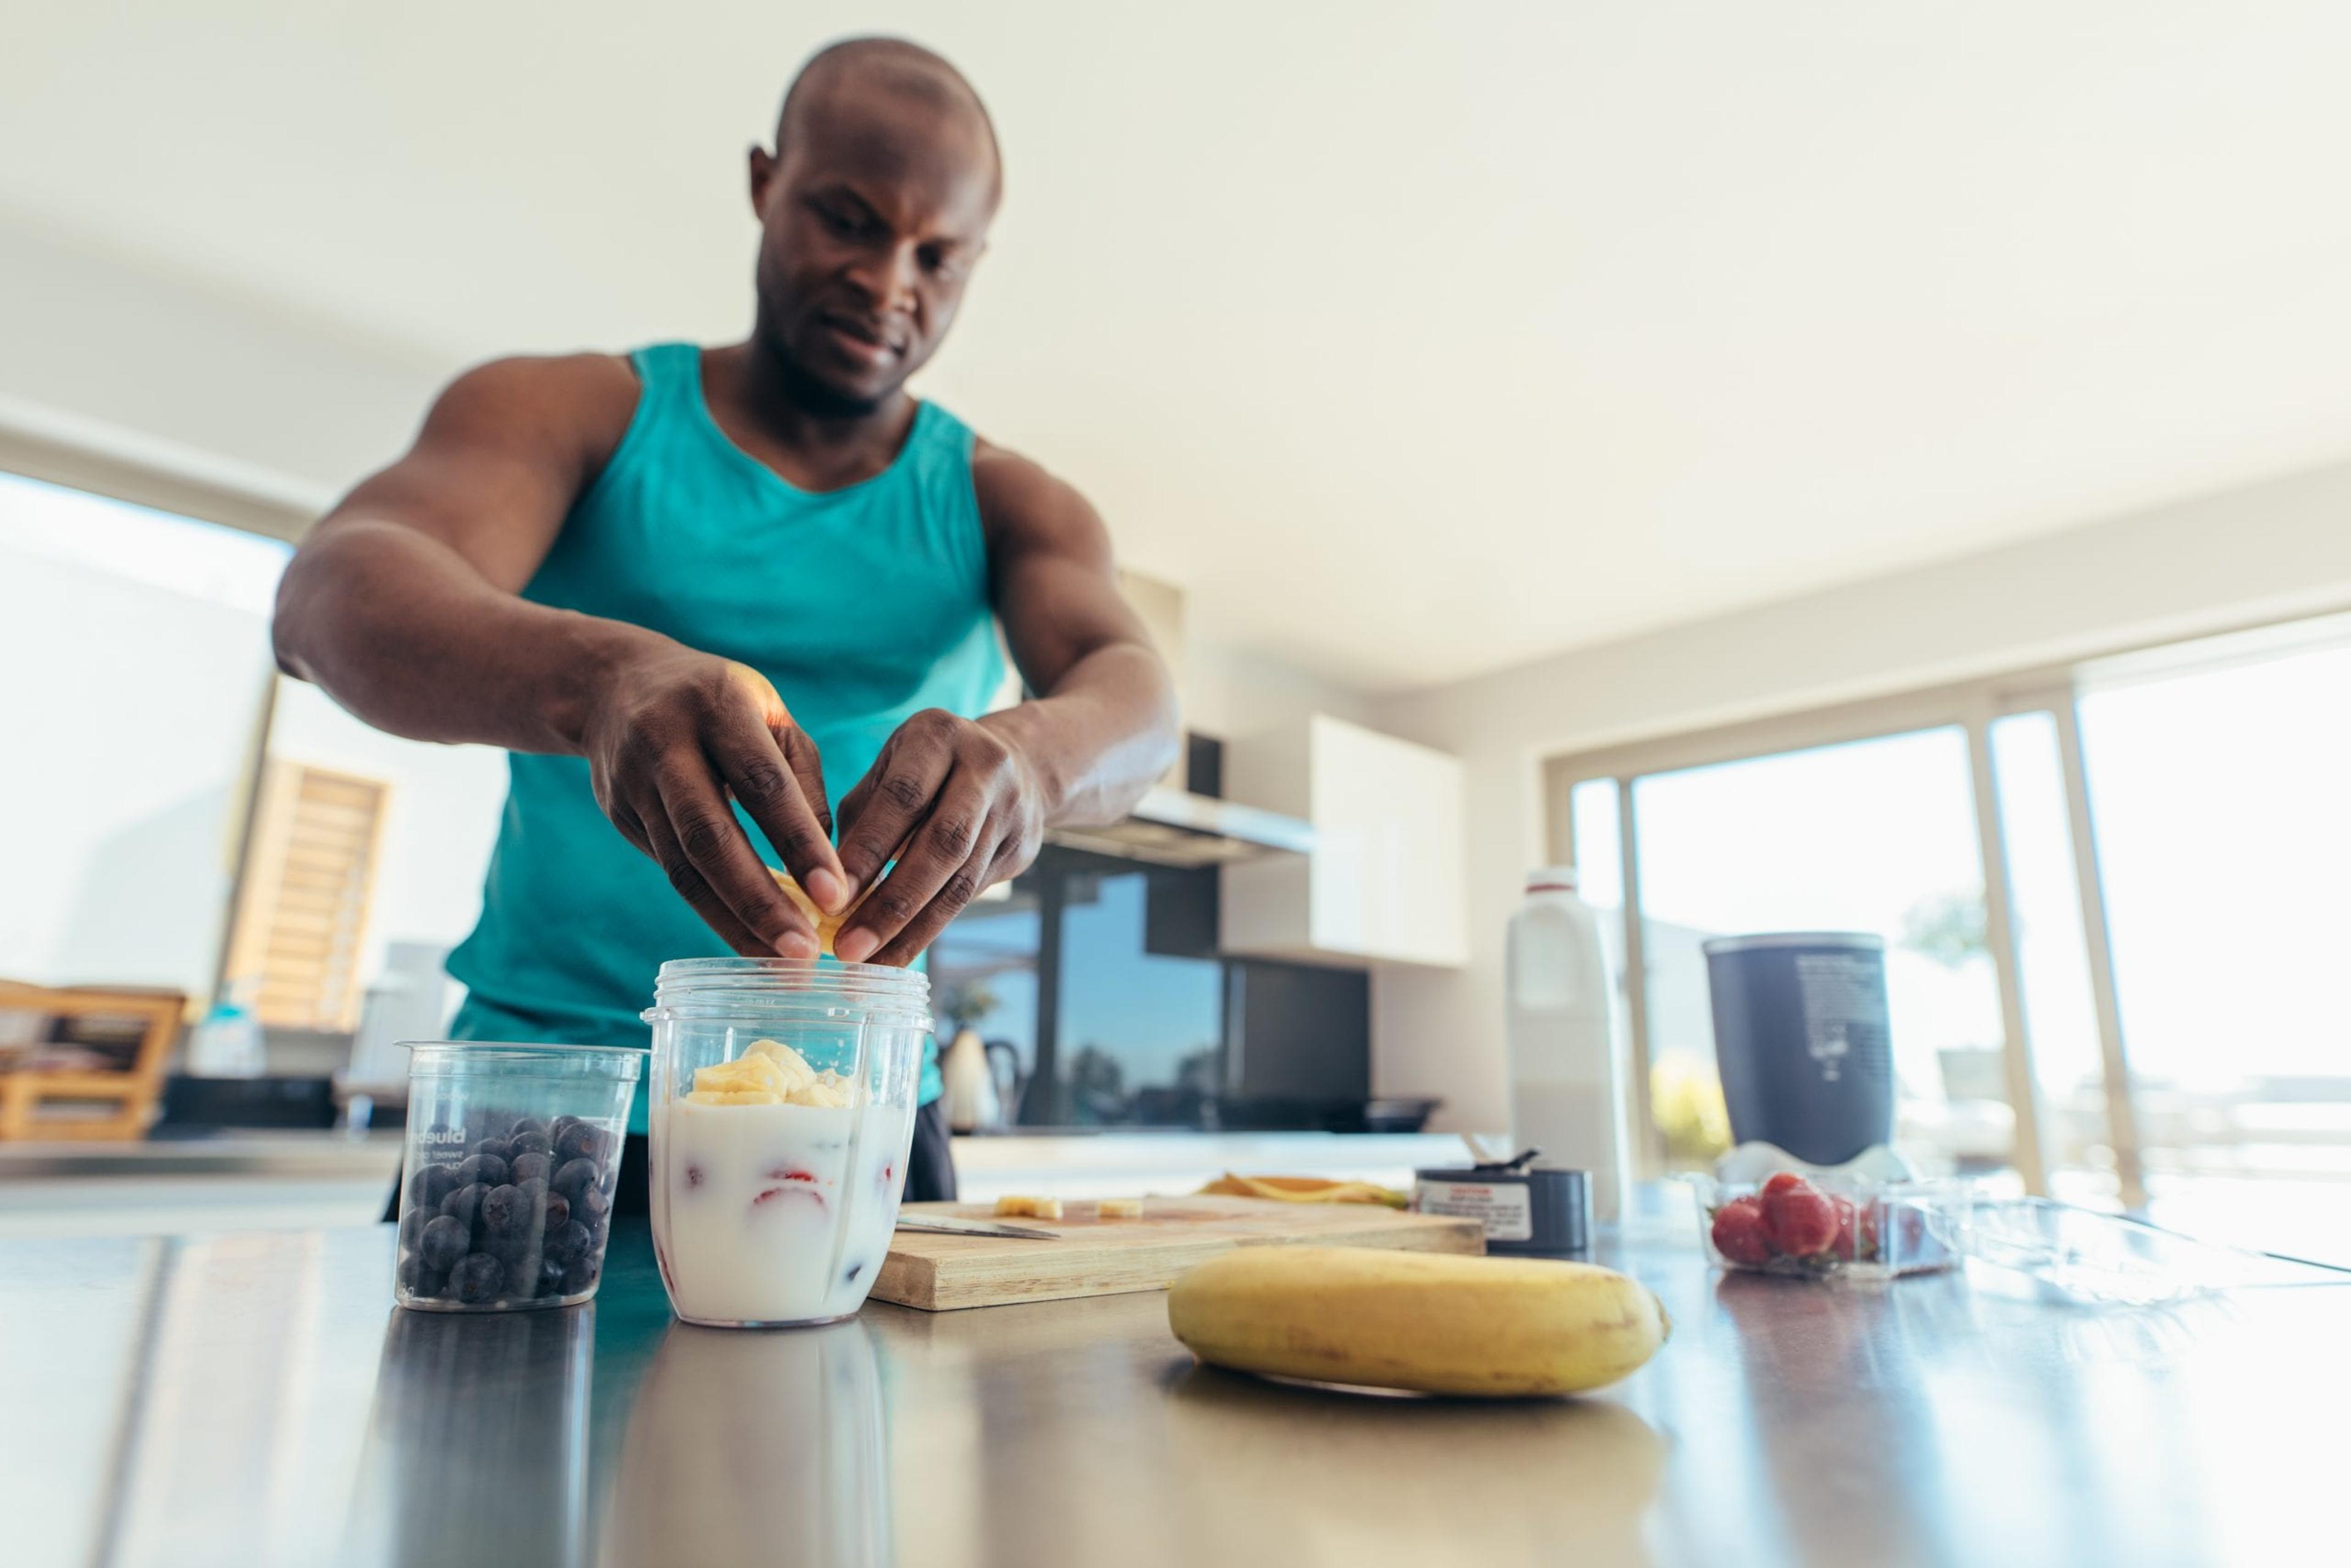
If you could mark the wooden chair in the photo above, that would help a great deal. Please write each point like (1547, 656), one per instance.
(86, 1043)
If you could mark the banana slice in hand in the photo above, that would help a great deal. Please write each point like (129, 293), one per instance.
(828, 926)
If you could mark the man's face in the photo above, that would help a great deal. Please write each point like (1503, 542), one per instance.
(874, 213)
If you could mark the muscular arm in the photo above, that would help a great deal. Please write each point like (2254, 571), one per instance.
(969, 800)
(1102, 725)
(404, 604)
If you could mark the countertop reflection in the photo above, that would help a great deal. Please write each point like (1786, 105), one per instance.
(254, 1399)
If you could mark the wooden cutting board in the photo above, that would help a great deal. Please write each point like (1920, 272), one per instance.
(1096, 1257)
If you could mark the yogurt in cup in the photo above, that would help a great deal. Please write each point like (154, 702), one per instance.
(783, 1106)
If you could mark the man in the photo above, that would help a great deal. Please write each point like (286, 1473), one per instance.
(762, 572)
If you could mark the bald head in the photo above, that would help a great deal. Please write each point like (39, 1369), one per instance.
(861, 69)
(874, 207)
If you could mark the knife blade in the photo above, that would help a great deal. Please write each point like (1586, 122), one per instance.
(945, 1226)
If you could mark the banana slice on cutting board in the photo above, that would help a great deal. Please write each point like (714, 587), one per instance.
(1306, 1190)
(1435, 1323)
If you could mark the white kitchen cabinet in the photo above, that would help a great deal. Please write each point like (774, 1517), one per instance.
(1385, 879)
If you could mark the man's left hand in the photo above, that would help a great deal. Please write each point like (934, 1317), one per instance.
(962, 807)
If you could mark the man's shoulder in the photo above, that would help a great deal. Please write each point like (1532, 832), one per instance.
(568, 411)
(589, 386)
(1022, 501)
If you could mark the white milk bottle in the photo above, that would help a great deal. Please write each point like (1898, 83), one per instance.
(1566, 1086)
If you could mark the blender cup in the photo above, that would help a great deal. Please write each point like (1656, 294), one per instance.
(783, 1105)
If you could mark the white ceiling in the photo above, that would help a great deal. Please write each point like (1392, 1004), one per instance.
(1416, 339)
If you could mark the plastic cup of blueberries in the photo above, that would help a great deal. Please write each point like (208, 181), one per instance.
(506, 1195)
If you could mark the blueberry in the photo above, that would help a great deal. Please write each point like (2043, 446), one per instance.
(562, 1124)
(445, 1242)
(566, 1241)
(411, 1227)
(575, 1177)
(477, 1277)
(419, 1280)
(429, 1185)
(518, 1253)
(531, 1164)
(581, 1140)
(506, 1211)
(529, 1126)
(550, 1278)
(581, 1273)
(557, 1211)
(465, 1204)
(493, 1148)
(593, 1203)
(490, 1169)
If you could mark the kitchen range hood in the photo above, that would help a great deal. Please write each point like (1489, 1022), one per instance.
(1173, 827)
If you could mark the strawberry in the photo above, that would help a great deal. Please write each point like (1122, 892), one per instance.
(1740, 1233)
(1785, 1181)
(1801, 1218)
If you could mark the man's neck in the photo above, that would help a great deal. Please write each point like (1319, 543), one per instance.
(768, 408)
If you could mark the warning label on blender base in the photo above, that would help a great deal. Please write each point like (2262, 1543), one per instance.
(1504, 1208)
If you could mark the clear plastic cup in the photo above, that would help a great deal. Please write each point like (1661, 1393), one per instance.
(506, 1193)
(770, 1213)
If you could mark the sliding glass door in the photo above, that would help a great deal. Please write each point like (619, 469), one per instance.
(2111, 899)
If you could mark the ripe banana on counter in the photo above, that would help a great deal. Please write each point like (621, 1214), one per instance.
(1432, 1322)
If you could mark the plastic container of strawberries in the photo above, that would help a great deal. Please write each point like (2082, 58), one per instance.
(1819, 1225)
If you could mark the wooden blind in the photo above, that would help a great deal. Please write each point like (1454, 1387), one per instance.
(302, 914)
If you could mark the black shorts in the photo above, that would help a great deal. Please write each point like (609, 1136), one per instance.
(930, 1169)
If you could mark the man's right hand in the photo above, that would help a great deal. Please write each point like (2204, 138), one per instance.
(668, 735)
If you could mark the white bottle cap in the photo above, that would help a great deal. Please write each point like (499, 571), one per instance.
(1551, 879)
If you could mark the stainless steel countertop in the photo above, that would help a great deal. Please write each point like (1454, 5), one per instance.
(253, 1398)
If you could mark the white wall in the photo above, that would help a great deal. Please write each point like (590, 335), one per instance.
(2275, 550)
(235, 386)
(1229, 693)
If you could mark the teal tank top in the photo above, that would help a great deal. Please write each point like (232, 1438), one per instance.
(863, 605)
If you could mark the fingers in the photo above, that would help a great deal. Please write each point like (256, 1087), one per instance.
(808, 769)
(937, 872)
(756, 764)
(709, 858)
(661, 843)
(893, 797)
(977, 875)
(624, 817)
